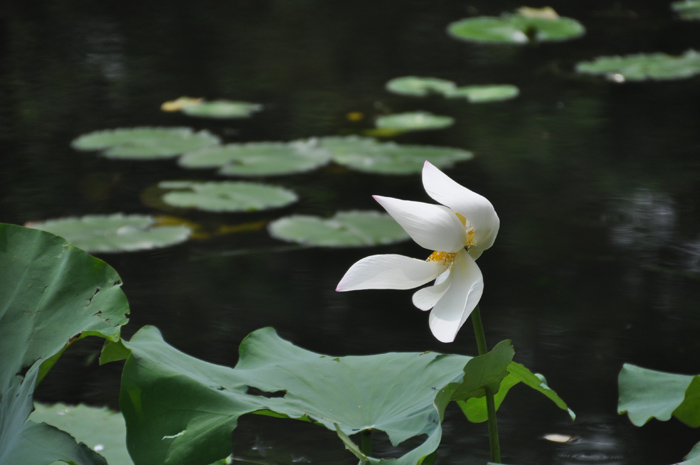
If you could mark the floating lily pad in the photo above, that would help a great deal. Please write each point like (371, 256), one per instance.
(419, 86)
(641, 67)
(344, 229)
(114, 233)
(689, 9)
(145, 143)
(100, 429)
(481, 94)
(259, 159)
(221, 109)
(515, 29)
(226, 196)
(414, 121)
(370, 156)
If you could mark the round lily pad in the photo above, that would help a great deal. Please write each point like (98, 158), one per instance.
(114, 233)
(414, 121)
(145, 143)
(481, 94)
(640, 67)
(225, 196)
(370, 156)
(515, 29)
(221, 109)
(688, 9)
(419, 86)
(344, 229)
(259, 159)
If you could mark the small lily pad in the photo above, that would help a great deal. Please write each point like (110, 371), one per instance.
(688, 9)
(221, 109)
(641, 67)
(114, 233)
(370, 156)
(414, 121)
(226, 196)
(481, 94)
(100, 429)
(259, 159)
(344, 229)
(419, 86)
(515, 29)
(144, 143)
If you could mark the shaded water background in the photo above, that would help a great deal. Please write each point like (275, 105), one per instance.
(597, 185)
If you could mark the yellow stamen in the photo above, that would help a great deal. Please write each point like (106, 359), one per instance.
(470, 231)
(446, 258)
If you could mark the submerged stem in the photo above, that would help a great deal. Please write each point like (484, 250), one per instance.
(490, 403)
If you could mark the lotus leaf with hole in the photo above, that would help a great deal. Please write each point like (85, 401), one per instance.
(225, 196)
(259, 159)
(51, 295)
(419, 86)
(414, 121)
(115, 233)
(641, 67)
(144, 143)
(370, 156)
(515, 29)
(344, 229)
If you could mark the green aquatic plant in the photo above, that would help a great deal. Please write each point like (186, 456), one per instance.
(642, 67)
(414, 121)
(115, 233)
(51, 295)
(647, 394)
(259, 158)
(221, 109)
(420, 87)
(344, 229)
(225, 196)
(522, 28)
(144, 143)
(687, 9)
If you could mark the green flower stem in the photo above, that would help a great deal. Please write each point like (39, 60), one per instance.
(366, 442)
(490, 404)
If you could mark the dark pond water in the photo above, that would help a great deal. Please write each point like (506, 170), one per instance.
(597, 186)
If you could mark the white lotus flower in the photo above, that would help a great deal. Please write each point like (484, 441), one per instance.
(458, 231)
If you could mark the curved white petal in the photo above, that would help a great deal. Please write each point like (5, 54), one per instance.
(389, 272)
(474, 207)
(464, 293)
(426, 298)
(433, 227)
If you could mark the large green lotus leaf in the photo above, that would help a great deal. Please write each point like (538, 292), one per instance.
(259, 159)
(344, 229)
(226, 196)
(414, 121)
(145, 143)
(221, 109)
(100, 429)
(482, 94)
(647, 394)
(515, 29)
(641, 67)
(51, 294)
(115, 233)
(693, 457)
(688, 9)
(419, 86)
(389, 157)
(474, 408)
(183, 410)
